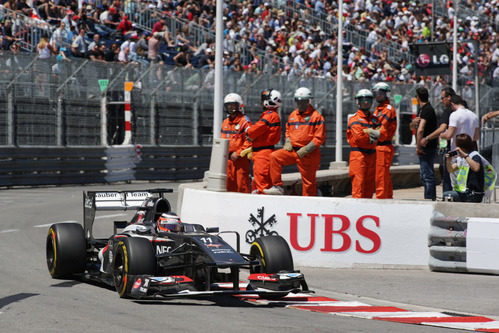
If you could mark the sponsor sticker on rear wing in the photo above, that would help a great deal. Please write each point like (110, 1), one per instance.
(116, 200)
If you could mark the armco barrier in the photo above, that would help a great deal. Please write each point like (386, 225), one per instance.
(463, 244)
(69, 165)
(447, 243)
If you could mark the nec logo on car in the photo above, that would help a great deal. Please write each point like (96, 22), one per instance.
(161, 249)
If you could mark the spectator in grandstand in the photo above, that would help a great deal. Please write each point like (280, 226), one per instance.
(48, 11)
(182, 39)
(206, 59)
(124, 54)
(153, 48)
(183, 57)
(45, 49)
(96, 54)
(112, 54)
(79, 47)
(125, 27)
(7, 37)
(23, 7)
(95, 41)
(160, 25)
(110, 18)
(13, 62)
(489, 115)
(60, 36)
(142, 46)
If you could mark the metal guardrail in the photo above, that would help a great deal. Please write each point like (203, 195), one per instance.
(447, 244)
(86, 165)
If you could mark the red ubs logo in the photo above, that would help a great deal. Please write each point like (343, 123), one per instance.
(339, 225)
(423, 60)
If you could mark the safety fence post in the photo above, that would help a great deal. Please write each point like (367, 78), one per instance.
(10, 117)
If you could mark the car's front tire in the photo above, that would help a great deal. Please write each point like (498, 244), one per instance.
(65, 250)
(273, 253)
(132, 256)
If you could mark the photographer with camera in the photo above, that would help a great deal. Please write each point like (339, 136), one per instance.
(473, 171)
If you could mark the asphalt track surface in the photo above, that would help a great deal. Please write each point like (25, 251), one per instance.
(31, 301)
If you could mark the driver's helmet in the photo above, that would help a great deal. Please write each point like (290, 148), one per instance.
(169, 222)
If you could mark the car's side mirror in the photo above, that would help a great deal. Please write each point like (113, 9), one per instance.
(212, 229)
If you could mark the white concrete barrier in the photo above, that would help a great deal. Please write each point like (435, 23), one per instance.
(321, 232)
(464, 244)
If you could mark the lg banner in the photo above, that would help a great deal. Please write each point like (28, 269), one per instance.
(432, 58)
(321, 232)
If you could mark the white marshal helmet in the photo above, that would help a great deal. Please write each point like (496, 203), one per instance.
(234, 98)
(381, 86)
(364, 93)
(273, 100)
(302, 94)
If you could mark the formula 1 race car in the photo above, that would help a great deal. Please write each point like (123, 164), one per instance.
(156, 255)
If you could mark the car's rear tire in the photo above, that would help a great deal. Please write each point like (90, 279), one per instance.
(273, 253)
(132, 256)
(65, 250)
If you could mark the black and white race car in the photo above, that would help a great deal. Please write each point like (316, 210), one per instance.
(155, 255)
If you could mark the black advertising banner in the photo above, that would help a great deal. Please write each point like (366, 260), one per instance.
(432, 58)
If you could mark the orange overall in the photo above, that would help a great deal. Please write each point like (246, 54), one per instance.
(362, 163)
(265, 133)
(237, 171)
(387, 119)
(301, 129)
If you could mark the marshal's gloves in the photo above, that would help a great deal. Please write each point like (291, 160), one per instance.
(248, 152)
(305, 149)
(287, 145)
(373, 134)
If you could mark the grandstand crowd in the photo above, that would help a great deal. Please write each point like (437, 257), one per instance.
(104, 31)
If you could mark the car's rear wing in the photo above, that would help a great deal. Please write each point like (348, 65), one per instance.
(113, 200)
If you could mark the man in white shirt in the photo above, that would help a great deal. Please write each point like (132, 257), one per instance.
(461, 120)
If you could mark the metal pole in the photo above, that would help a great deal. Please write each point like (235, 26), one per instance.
(339, 88)
(59, 122)
(477, 86)
(454, 51)
(152, 120)
(10, 117)
(103, 120)
(218, 96)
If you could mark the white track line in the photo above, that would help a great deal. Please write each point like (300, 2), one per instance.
(49, 224)
(112, 215)
(8, 230)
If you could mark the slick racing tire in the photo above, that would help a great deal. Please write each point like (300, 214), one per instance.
(132, 256)
(273, 253)
(65, 250)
